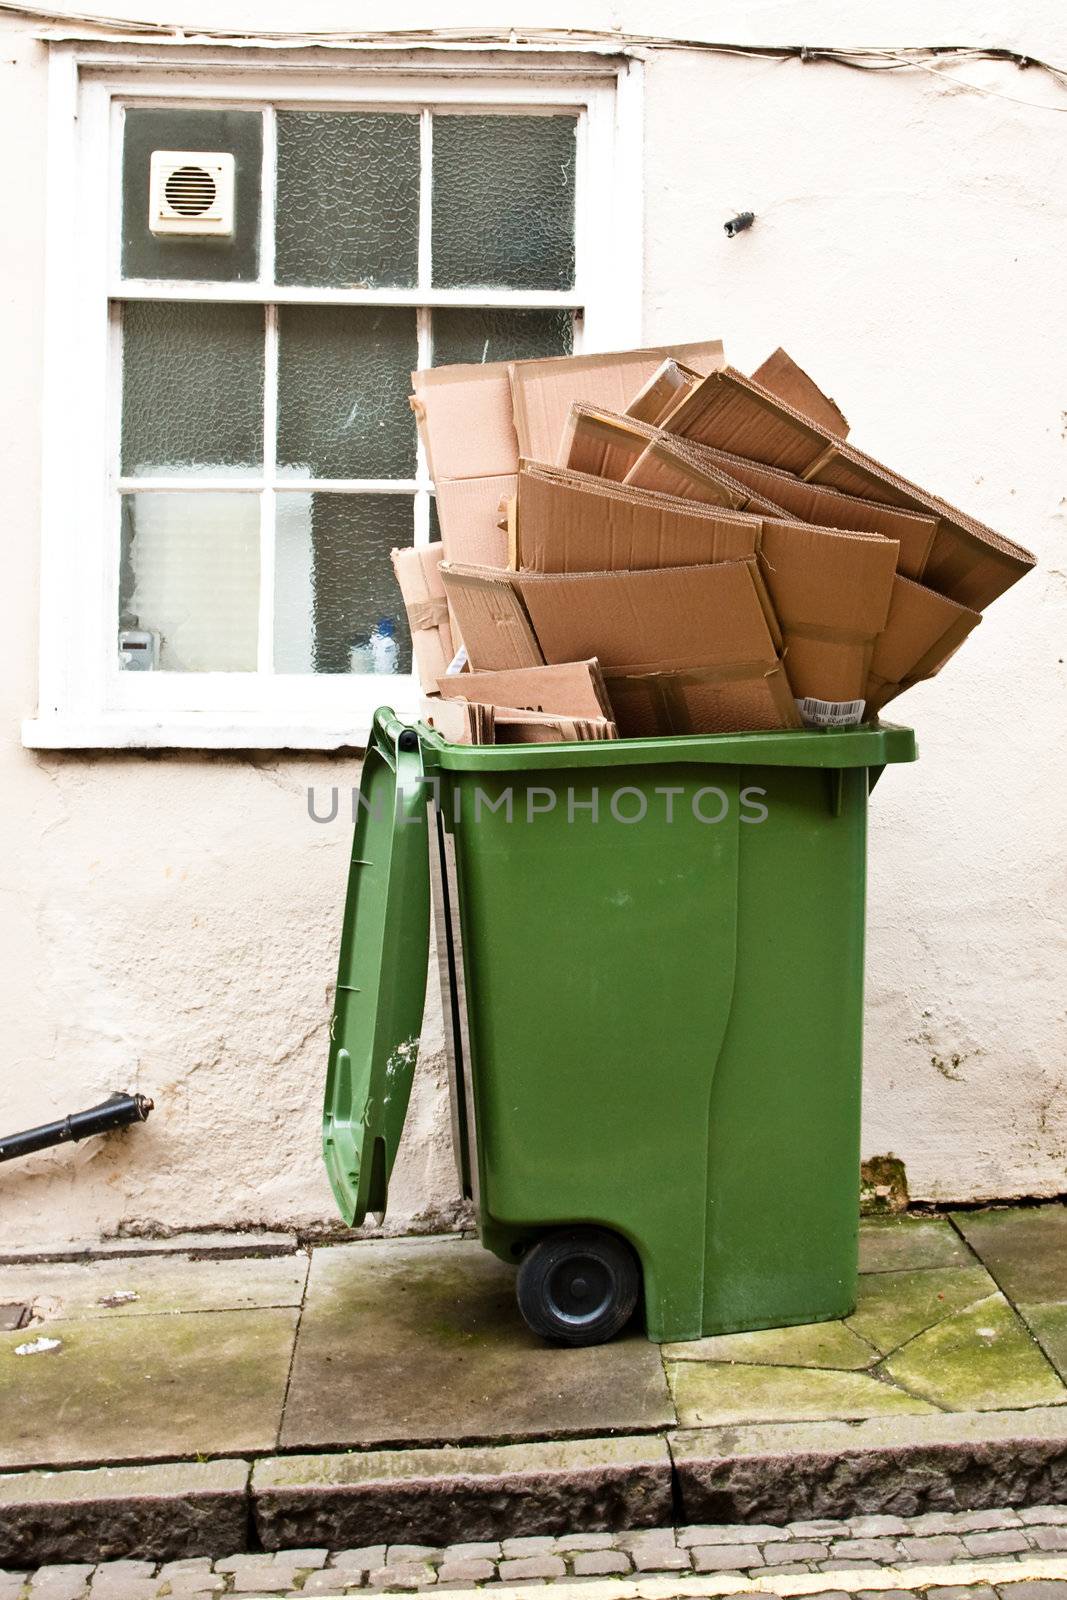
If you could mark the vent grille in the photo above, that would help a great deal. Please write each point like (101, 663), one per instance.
(190, 191)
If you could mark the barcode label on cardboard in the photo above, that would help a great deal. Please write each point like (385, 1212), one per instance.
(831, 713)
(458, 662)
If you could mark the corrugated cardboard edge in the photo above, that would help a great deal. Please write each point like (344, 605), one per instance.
(567, 521)
(667, 387)
(784, 378)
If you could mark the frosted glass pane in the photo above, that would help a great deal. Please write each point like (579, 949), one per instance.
(192, 388)
(344, 376)
(229, 259)
(337, 607)
(190, 576)
(487, 335)
(347, 209)
(503, 201)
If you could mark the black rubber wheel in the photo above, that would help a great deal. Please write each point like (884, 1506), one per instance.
(578, 1286)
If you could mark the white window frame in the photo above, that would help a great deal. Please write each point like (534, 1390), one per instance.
(85, 701)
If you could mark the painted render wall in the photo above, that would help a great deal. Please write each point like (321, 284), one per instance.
(169, 922)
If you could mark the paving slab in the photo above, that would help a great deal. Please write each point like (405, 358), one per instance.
(467, 1493)
(891, 1244)
(421, 1342)
(1024, 1247)
(707, 1394)
(893, 1307)
(1048, 1324)
(160, 1512)
(145, 1388)
(200, 1246)
(814, 1344)
(149, 1285)
(884, 1466)
(981, 1359)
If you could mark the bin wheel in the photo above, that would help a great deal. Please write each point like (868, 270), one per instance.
(578, 1286)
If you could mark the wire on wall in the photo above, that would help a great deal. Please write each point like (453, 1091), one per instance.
(861, 58)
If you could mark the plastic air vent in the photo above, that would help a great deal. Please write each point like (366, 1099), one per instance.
(191, 193)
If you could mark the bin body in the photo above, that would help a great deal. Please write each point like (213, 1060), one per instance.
(656, 992)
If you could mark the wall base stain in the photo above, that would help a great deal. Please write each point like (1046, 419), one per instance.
(883, 1187)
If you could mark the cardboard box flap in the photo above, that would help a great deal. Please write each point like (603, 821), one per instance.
(543, 391)
(729, 412)
(600, 442)
(492, 619)
(468, 512)
(665, 620)
(417, 573)
(781, 375)
(830, 508)
(632, 493)
(464, 417)
(968, 562)
(699, 701)
(922, 631)
(828, 581)
(657, 398)
(571, 688)
(831, 592)
(571, 522)
(674, 466)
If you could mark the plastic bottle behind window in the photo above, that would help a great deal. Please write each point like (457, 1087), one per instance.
(385, 652)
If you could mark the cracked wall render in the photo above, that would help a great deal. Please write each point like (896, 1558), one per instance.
(169, 923)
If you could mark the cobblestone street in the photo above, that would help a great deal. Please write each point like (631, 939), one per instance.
(1016, 1554)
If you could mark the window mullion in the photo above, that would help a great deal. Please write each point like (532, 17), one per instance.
(266, 207)
(265, 653)
(424, 315)
(422, 468)
(425, 265)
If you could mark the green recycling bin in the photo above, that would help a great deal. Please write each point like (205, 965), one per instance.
(651, 954)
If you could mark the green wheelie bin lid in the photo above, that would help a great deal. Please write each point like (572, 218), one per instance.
(381, 978)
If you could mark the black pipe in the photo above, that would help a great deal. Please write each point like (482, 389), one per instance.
(118, 1111)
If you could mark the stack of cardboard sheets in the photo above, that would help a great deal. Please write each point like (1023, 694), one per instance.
(649, 542)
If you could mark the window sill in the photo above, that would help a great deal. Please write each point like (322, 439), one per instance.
(202, 730)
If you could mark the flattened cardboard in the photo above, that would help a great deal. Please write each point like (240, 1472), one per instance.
(473, 722)
(831, 593)
(464, 417)
(656, 399)
(468, 511)
(573, 522)
(781, 375)
(923, 630)
(542, 392)
(602, 443)
(459, 721)
(682, 649)
(829, 508)
(968, 562)
(514, 725)
(571, 688)
(492, 619)
(423, 593)
(669, 465)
